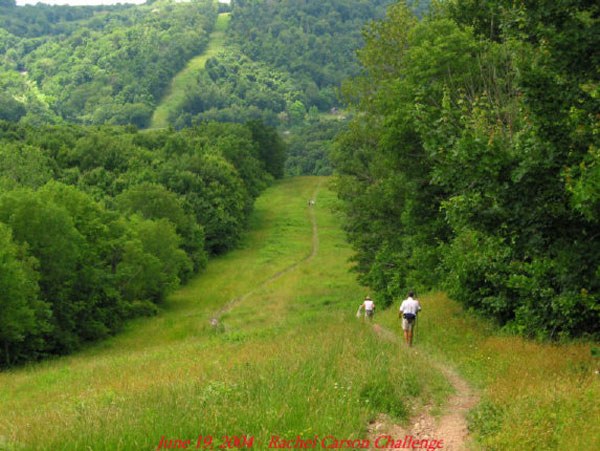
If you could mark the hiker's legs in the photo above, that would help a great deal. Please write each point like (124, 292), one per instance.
(406, 336)
(408, 331)
(406, 328)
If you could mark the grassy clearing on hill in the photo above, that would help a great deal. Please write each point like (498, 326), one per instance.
(534, 396)
(291, 359)
(186, 78)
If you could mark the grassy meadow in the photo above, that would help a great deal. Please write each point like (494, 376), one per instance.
(289, 359)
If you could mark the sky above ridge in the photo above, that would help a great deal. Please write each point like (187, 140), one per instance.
(78, 2)
(85, 2)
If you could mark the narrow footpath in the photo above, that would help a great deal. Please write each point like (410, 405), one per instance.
(451, 426)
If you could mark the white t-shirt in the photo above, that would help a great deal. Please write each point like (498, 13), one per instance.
(410, 305)
(369, 305)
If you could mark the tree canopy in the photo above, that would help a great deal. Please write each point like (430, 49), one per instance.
(473, 163)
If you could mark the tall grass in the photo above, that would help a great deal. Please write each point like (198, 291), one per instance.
(289, 360)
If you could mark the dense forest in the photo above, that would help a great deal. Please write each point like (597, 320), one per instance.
(99, 224)
(112, 64)
(474, 163)
(284, 64)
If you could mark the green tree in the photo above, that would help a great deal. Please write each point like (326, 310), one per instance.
(24, 166)
(51, 237)
(11, 109)
(151, 261)
(271, 148)
(153, 201)
(24, 317)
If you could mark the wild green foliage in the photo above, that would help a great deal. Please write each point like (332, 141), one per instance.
(310, 144)
(32, 21)
(24, 317)
(474, 164)
(100, 224)
(283, 65)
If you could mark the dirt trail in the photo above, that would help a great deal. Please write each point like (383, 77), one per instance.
(451, 426)
(314, 250)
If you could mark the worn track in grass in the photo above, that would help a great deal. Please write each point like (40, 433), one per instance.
(451, 426)
(214, 320)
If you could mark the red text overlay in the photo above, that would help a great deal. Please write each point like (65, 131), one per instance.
(315, 442)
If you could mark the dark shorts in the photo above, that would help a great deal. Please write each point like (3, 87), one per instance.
(369, 313)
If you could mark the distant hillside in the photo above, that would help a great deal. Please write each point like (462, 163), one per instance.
(113, 64)
(96, 65)
(309, 45)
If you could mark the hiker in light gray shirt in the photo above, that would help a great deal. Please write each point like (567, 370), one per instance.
(369, 307)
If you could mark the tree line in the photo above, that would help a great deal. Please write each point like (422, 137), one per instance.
(473, 163)
(100, 224)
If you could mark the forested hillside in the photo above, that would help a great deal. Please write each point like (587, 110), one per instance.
(474, 164)
(98, 225)
(283, 58)
(283, 63)
(101, 65)
(112, 64)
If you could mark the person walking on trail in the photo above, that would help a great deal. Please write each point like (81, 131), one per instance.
(369, 306)
(409, 309)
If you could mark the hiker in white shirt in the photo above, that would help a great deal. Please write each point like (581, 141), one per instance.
(409, 310)
(369, 306)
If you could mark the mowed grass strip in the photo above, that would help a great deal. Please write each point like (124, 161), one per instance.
(186, 78)
(290, 360)
(534, 395)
